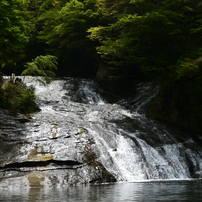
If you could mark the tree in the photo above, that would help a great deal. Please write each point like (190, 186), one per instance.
(13, 33)
(153, 36)
(64, 31)
(42, 66)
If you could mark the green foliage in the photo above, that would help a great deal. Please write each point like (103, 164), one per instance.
(160, 38)
(66, 26)
(42, 66)
(64, 31)
(13, 33)
(188, 68)
(71, 15)
(109, 10)
(18, 98)
(154, 36)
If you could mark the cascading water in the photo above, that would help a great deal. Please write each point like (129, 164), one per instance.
(129, 145)
(79, 137)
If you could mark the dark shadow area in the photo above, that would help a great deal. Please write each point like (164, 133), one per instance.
(28, 164)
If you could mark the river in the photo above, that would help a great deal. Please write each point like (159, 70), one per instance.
(173, 191)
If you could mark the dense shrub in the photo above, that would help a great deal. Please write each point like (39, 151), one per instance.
(18, 98)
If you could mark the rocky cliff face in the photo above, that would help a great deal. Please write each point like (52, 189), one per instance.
(79, 138)
(35, 152)
(179, 103)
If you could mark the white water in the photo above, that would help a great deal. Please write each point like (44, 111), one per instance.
(129, 145)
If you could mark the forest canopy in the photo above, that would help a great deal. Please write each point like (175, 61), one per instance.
(162, 39)
(13, 33)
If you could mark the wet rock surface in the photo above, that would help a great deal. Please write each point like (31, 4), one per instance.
(49, 152)
(79, 138)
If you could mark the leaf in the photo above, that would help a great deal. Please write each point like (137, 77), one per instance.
(41, 66)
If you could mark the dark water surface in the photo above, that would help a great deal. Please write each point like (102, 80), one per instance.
(141, 191)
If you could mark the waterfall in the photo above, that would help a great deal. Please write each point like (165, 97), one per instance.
(84, 134)
(128, 144)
